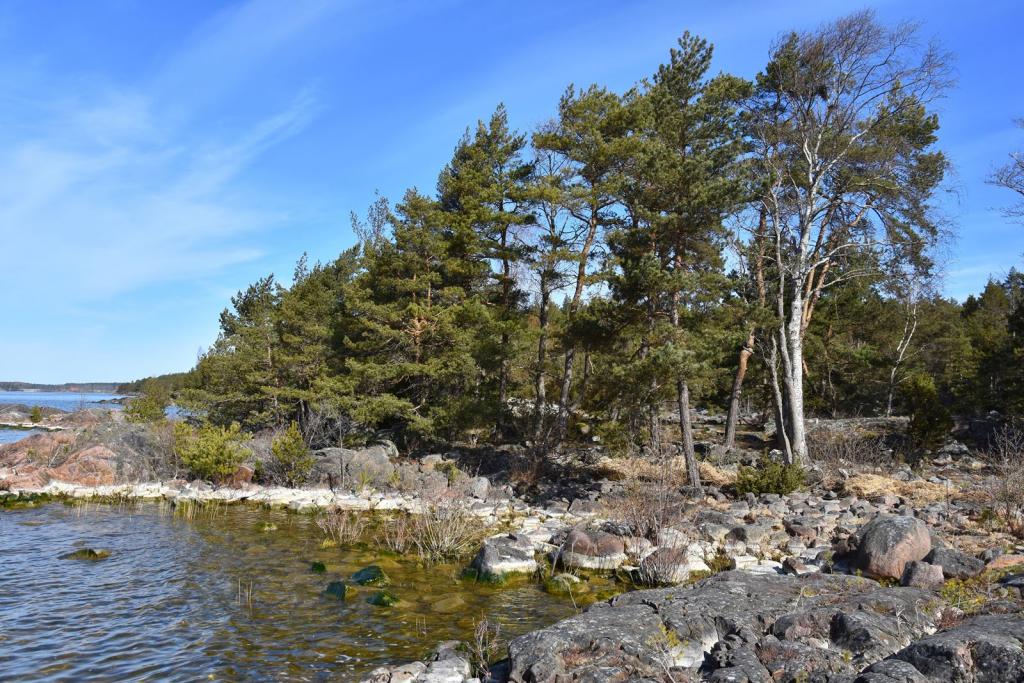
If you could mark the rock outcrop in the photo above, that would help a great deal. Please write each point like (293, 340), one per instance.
(985, 649)
(735, 626)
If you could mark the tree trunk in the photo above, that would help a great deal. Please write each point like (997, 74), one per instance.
(778, 404)
(737, 389)
(540, 390)
(794, 380)
(562, 423)
(692, 469)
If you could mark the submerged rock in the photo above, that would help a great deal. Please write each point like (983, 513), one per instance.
(371, 576)
(339, 590)
(86, 554)
(383, 598)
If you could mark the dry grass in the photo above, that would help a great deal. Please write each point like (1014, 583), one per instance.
(709, 474)
(342, 527)
(446, 529)
(395, 533)
(870, 486)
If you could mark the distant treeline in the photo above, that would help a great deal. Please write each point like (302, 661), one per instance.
(164, 384)
(91, 387)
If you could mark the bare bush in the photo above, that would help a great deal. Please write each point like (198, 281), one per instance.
(651, 498)
(324, 426)
(1005, 488)
(445, 529)
(395, 533)
(343, 527)
(486, 646)
(854, 451)
(663, 567)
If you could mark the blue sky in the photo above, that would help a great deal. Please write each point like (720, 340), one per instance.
(155, 157)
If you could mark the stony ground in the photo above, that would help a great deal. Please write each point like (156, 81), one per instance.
(868, 575)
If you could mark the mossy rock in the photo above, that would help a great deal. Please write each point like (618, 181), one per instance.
(564, 584)
(371, 576)
(86, 554)
(471, 574)
(266, 526)
(318, 567)
(339, 590)
(383, 599)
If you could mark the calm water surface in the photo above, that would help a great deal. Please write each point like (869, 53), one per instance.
(64, 400)
(171, 602)
(12, 435)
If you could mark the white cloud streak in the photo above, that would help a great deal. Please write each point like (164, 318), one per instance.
(114, 187)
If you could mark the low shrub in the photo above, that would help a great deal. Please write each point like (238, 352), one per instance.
(930, 421)
(147, 409)
(36, 416)
(211, 452)
(292, 459)
(770, 477)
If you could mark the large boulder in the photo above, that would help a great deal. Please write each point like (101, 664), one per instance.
(985, 649)
(504, 555)
(883, 547)
(592, 550)
(351, 468)
(734, 626)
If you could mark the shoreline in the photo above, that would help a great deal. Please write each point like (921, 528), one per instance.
(299, 500)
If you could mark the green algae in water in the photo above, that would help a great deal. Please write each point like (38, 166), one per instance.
(267, 526)
(318, 567)
(384, 598)
(371, 576)
(21, 501)
(86, 554)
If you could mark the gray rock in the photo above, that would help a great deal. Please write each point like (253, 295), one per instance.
(732, 626)
(883, 547)
(504, 555)
(478, 487)
(955, 564)
(985, 649)
(922, 575)
(345, 467)
(592, 550)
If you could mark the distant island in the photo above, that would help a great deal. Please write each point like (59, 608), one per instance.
(82, 387)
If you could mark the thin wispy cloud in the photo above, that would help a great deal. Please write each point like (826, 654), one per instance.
(115, 190)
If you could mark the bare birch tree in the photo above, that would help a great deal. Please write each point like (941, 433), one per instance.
(844, 144)
(1011, 177)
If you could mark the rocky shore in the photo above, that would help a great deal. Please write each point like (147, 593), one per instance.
(862, 577)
